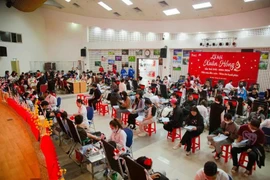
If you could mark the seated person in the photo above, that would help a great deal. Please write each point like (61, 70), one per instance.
(194, 119)
(147, 164)
(211, 171)
(176, 120)
(258, 115)
(137, 107)
(85, 136)
(229, 108)
(124, 105)
(51, 100)
(188, 104)
(95, 98)
(254, 147)
(115, 97)
(43, 110)
(175, 96)
(118, 134)
(204, 112)
(228, 128)
(149, 117)
(156, 100)
(241, 97)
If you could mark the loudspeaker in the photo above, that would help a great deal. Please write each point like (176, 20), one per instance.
(163, 52)
(83, 52)
(3, 51)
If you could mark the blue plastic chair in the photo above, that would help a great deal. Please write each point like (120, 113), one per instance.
(129, 142)
(90, 116)
(59, 100)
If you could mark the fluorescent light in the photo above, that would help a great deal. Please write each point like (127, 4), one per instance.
(105, 6)
(68, 0)
(170, 12)
(202, 5)
(128, 2)
(249, 0)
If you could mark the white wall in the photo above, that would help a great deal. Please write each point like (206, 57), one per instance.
(65, 40)
(32, 28)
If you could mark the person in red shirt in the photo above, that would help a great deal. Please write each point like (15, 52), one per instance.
(255, 135)
(101, 69)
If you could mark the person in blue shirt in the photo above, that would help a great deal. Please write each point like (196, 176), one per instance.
(123, 72)
(241, 96)
(131, 72)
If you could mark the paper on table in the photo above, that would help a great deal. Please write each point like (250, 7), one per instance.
(165, 119)
(130, 110)
(116, 107)
(139, 118)
(219, 138)
(189, 128)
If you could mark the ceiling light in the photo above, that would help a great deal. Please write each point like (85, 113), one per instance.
(68, 0)
(128, 2)
(202, 5)
(105, 6)
(249, 0)
(170, 12)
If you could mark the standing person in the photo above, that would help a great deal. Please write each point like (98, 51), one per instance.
(194, 119)
(82, 111)
(176, 120)
(101, 69)
(254, 147)
(137, 107)
(216, 114)
(212, 172)
(228, 128)
(123, 73)
(95, 98)
(149, 117)
(131, 72)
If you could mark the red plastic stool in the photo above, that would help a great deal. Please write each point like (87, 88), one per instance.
(98, 106)
(174, 135)
(151, 130)
(113, 113)
(125, 117)
(195, 145)
(103, 109)
(226, 152)
(242, 161)
(80, 96)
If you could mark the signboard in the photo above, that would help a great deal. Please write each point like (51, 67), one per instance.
(225, 66)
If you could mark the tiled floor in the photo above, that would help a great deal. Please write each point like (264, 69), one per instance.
(174, 162)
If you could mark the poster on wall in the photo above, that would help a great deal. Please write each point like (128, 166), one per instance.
(177, 59)
(103, 58)
(160, 61)
(125, 51)
(124, 64)
(118, 58)
(186, 54)
(139, 52)
(131, 58)
(156, 52)
(148, 69)
(264, 57)
(97, 63)
(110, 53)
(177, 52)
(176, 67)
(236, 66)
(110, 61)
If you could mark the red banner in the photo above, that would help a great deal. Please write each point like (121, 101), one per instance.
(225, 66)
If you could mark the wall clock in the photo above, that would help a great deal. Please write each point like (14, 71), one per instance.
(147, 52)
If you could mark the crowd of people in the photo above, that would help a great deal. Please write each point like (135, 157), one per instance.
(208, 110)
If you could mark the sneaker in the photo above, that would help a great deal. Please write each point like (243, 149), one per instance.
(142, 134)
(234, 169)
(177, 146)
(188, 153)
(247, 173)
